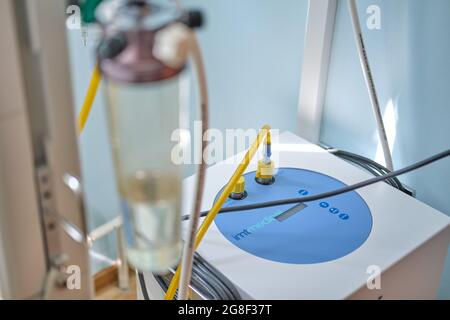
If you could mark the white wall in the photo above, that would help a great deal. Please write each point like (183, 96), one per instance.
(411, 66)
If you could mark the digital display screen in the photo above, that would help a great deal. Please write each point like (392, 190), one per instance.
(290, 212)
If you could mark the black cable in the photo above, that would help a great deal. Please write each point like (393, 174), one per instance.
(395, 182)
(366, 165)
(162, 282)
(143, 286)
(333, 193)
(206, 280)
(232, 293)
(358, 158)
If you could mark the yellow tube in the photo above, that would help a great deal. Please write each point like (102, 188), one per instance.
(219, 203)
(89, 99)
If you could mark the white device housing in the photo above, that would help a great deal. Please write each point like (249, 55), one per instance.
(408, 242)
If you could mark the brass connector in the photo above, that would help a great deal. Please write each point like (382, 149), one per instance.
(238, 192)
(265, 173)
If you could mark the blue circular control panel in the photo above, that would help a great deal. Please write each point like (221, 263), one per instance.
(305, 233)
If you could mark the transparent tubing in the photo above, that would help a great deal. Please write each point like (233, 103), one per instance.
(142, 119)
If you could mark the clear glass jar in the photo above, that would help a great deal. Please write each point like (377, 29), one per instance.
(142, 119)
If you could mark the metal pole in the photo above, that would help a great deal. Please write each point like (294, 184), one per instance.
(123, 276)
(115, 225)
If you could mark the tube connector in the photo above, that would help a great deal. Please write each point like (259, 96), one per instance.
(265, 173)
(267, 151)
(266, 167)
(238, 192)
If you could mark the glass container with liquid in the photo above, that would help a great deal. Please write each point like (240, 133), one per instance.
(143, 110)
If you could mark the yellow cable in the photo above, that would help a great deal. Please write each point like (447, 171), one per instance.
(218, 205)
(89, 99)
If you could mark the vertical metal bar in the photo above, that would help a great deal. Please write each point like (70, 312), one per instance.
(317, 52)
(21, 239)
(46, 61)
(115, 225)
(123, 276)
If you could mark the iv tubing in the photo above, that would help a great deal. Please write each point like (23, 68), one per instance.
(219, 203)
(89, 99)
(189, 246)
(370, 83)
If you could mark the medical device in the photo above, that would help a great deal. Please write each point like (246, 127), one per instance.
(255, 212)
(307, 225)
(324, 247)
(142, 54)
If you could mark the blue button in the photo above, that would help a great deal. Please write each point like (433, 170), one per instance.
(344, 216)
(303, 192)
(324, 204)
(334, 210)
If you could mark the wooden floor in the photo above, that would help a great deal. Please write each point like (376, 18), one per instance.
(106, 286)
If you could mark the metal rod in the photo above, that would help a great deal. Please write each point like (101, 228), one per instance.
(115, 225)
(105, 229)
(123, 276)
